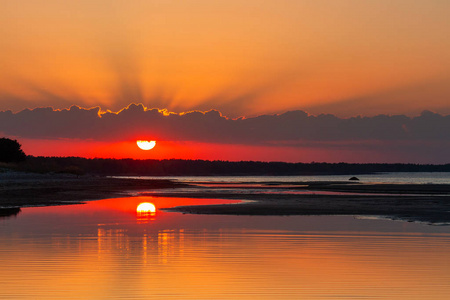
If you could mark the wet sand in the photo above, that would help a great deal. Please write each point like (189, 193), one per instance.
(411, 202)
(428, 203)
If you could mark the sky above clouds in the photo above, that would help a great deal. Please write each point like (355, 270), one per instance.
(346, 57)
(246, 59)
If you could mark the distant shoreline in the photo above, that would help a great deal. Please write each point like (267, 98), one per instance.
(180, 167)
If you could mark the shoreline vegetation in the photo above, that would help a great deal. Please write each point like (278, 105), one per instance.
(180, 167)
(43, 181)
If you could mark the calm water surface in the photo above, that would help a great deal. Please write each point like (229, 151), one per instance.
(107, 250)
(391, 177)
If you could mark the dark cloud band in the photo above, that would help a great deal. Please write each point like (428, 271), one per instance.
(291, 128)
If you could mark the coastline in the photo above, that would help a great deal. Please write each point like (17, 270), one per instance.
(428, 203)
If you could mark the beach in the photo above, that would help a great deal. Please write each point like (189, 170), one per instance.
(428, 203)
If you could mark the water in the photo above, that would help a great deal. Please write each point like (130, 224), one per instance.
(393, 177)
(107, 250)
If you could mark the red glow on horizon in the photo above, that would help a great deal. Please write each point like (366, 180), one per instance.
(202, 151)
(164, 150)
(372, 151)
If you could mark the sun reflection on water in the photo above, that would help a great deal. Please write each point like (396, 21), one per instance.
(145, 212)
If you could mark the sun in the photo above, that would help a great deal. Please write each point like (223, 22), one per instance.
(146, 145)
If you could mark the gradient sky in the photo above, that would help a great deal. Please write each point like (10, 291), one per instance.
(242, 58)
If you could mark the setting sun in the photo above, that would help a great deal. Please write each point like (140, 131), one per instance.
(146, 145)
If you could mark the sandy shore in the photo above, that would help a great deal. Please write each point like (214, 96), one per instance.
(411, 202)
(26, 190)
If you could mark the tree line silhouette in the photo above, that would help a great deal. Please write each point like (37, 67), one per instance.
(179, 167)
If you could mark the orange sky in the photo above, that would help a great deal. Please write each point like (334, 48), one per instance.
(242, 58)
(345, 57)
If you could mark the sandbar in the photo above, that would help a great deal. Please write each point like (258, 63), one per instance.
(429, 203)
